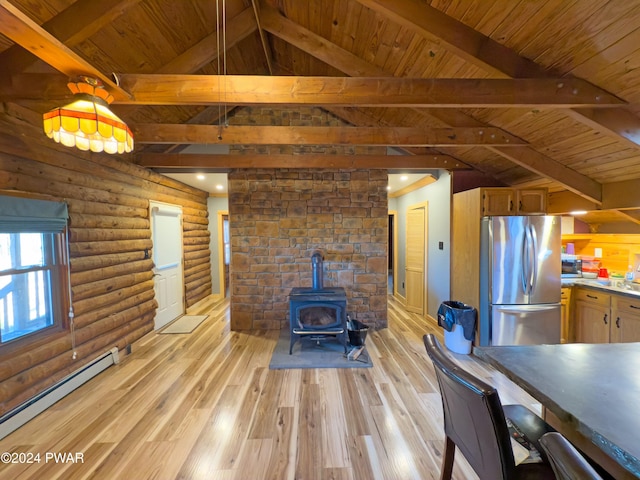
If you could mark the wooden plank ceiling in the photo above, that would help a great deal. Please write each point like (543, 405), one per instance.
(526, 93)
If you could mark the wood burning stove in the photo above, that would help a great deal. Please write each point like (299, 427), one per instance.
(317, 312)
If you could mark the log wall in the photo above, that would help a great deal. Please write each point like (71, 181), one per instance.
(111, 276)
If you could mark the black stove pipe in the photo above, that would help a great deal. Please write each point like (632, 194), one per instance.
(317, 273)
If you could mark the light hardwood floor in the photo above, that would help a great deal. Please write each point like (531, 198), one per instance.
(206, 406)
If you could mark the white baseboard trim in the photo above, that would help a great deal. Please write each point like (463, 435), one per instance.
(17, 417)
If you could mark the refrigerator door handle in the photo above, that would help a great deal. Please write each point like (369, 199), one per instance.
(533, 265)
(524, 273)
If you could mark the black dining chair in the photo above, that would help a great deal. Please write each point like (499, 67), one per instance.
(475, 421)
(565, 459)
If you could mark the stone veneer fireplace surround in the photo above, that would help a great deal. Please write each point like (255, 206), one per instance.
(279, 217)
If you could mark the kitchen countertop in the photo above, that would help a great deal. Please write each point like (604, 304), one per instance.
(592, 389)
(585, 282)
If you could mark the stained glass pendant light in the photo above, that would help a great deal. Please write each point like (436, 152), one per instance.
(87, 123)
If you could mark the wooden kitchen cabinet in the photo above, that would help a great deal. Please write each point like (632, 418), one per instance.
(567, 333)
(625, 319)
(498, 201)
(512, 201)
(592, 316)
(606, 318)
(531, 201)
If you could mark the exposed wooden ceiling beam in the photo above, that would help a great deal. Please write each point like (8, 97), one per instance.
(456, 37)
(213, 116)
(302, 135)
(494, 57)
(631, 216)
(567, 201)
(263, 38)
(21, 29)
(434, 94)
(358, 117)
(352, 65)
(330, 53)
(617, 197)
(203, 53)
(423, 182)
(544, 166)
(223, 162)
(34, 87)
(317, 46)
(620, 122)
(149, 89)
(71, 26)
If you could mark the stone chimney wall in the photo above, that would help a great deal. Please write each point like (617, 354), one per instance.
(278, 217)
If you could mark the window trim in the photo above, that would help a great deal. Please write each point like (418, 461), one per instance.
(60, 298)
(29, 215)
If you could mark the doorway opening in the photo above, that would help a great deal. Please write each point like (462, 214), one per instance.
(224, 252)
(392, 254)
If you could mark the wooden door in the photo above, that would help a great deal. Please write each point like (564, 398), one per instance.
(625, 327)
(166, 231)
(498, 201)
(592, 322)
(531, 201)
(566, 336)
(625, 317)
(415, 268)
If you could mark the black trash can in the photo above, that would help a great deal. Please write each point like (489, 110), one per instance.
(459, 322)
(357, 332)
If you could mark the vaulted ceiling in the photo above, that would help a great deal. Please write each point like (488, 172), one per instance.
(522, 92)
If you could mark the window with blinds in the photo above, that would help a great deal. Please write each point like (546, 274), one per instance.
(33, 271)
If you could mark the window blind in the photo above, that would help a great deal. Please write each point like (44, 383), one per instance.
(19, 214)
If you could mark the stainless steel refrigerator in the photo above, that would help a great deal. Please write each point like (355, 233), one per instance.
(520, 284)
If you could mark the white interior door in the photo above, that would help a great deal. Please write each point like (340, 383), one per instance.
(166, 231)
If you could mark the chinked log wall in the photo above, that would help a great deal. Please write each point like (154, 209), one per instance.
(112, 281)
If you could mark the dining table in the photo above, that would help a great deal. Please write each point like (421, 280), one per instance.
(589, 392)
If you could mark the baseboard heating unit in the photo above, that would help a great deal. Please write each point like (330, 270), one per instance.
(28, 410)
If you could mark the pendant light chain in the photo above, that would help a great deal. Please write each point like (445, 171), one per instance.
(221, 24)
(224, 59)
(72, 325)
(218, 67)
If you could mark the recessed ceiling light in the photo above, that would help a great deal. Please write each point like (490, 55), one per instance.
(200, 176)
(404, 178)
(219, 187)
(388, 187)
(578, 212)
